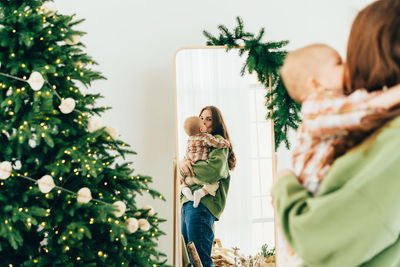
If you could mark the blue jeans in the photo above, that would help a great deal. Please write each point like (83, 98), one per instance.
(197, 226)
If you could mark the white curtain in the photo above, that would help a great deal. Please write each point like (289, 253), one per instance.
(212, 77)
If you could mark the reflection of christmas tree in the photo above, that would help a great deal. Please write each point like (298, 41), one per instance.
(65, 197)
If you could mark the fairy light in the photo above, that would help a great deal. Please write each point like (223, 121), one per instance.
(12, 55)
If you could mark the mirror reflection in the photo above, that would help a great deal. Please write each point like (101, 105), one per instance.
(211, 77)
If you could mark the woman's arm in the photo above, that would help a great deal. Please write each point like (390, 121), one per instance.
(213, 169)
(355, 216)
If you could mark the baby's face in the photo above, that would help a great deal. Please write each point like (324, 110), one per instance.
(331, 70)
(203, 128)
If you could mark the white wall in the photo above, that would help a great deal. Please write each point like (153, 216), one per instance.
(135, 41)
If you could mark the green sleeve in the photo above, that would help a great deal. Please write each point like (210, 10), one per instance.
(354, 219)
(215, 168)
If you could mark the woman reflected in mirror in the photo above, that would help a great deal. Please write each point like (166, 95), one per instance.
(197, 220)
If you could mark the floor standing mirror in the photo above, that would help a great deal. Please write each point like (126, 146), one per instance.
(211, 76)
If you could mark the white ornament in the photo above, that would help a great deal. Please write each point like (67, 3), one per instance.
(150, 208)
(84, 195)
(67, 105)
(5, 170)
(48, 7)
(144, 224)
(73, 40)
(79, 64)
(32, 143)
(132, 225)
(94, 124)
(113, 132)
(36, 81)
(121, 208)
(137, 214)
(46, 184)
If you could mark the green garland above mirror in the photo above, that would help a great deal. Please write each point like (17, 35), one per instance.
(265, 59)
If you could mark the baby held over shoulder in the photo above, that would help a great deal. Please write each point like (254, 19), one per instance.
(313, 76)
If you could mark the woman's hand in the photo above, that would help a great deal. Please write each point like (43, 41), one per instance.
(185, 166)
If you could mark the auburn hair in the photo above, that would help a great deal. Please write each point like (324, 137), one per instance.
(373, 51)
(219, 127)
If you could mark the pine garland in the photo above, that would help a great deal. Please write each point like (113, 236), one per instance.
(265, 59)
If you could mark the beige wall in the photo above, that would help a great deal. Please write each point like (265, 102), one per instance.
(135, 41)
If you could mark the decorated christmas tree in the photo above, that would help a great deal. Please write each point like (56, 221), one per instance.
(67, 196)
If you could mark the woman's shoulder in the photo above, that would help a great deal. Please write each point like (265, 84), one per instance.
(377, 156)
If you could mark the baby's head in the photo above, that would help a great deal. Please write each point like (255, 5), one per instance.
(194, 125)
(312, 68)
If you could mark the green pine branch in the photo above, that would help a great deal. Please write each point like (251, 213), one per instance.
(265, 58)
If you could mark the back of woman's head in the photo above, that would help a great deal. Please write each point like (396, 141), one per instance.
(219, 127)
(373, 51)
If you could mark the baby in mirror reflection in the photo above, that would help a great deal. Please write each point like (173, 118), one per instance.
(198, 146)
(332, 121)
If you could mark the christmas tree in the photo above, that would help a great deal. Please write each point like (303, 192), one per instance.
(67, 198)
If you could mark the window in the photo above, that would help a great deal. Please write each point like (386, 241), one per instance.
(262, 213)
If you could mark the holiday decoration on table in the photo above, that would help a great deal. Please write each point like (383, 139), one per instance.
(265, 59)
(67, 194)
